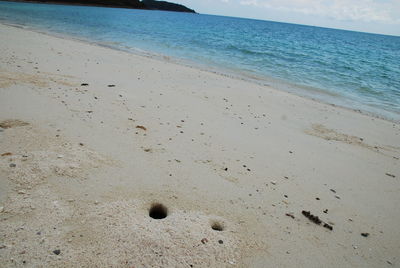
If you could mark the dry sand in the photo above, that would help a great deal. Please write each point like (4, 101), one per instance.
(81, 166)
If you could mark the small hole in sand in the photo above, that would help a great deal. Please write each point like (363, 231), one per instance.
(217, 226)
(158, 211)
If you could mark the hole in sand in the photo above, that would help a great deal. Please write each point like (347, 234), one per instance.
(217, 226)
(158, 211)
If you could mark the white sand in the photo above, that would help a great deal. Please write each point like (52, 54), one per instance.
(77, 174)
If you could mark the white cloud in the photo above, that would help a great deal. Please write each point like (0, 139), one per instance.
(385, 11)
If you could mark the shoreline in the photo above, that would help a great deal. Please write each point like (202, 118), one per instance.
(230, 73)
(92, 139)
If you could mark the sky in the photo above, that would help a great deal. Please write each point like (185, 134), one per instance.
(375, 16)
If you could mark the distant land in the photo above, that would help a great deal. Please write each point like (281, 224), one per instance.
(135, 4)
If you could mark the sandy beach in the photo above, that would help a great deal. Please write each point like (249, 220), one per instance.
(92, 138)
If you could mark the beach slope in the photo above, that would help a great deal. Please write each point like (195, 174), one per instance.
(92, 139)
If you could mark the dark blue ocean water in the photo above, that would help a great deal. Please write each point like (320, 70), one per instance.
(352, 69)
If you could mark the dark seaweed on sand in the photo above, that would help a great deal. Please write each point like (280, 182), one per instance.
(316, 219)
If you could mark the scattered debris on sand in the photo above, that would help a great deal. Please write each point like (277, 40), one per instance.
(290, 215)
(311, 217)
(327, 226)
(390, 175)
(316, 220)
(141, 127)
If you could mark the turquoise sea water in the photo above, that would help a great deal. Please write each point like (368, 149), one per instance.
(352, 69)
